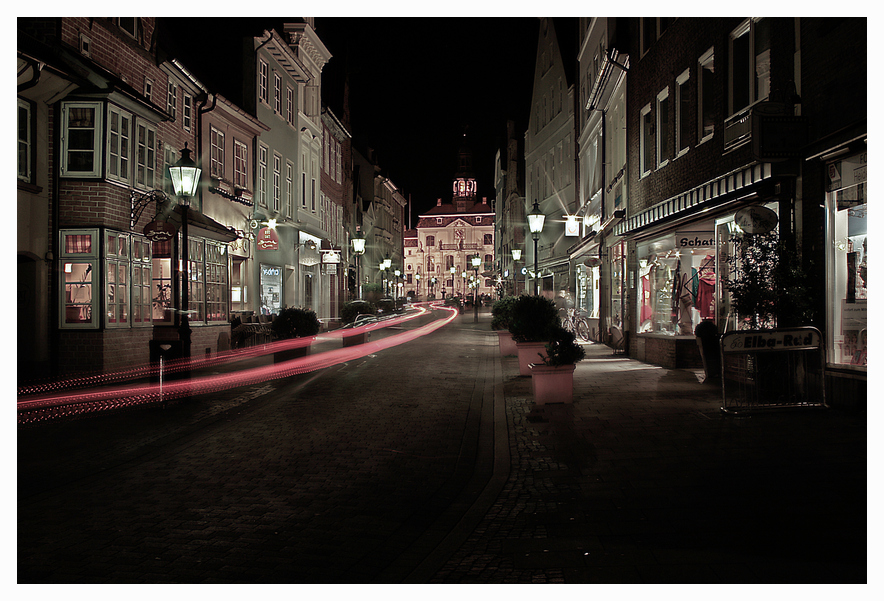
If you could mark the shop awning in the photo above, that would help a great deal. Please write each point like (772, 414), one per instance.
(200, 225)
(720, 189)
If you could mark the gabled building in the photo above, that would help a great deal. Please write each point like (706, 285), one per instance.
(550, 147)
(450, 234)
(511, 231)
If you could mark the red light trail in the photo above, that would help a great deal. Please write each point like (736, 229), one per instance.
(38, 408)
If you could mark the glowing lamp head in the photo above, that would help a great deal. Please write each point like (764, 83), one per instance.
(536, 219)
(358, 243)
(476, 260)
(517, 254)
(185, 176)
(388, 262)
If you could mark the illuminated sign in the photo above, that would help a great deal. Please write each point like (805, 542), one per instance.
(268, 239)
(756, 220)
(159, 231)
(771, 340)
(572, 226)
(688, 240)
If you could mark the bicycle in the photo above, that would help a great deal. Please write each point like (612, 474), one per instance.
(575, 323)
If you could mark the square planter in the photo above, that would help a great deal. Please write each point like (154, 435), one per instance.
(552, 384)
(507, 344)
(529, 352)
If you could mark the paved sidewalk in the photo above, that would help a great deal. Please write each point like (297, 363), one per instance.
(644, 480)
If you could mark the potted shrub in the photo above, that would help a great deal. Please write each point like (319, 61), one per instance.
(349, 312)
(501, 316)
(533, 319)
(293, 322)
(553, 378)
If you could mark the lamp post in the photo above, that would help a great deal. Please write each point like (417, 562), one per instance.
(417, 287)
(517, 255)
(463, 276)
(185, 177)
(535, 224)
(358, 249)
(397, 273)
(383, 267)
(452, 270)
(476, 260)
(433, 287)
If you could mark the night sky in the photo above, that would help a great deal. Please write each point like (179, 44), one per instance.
(416, 84)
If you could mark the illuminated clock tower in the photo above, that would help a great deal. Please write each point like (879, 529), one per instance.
(464, 185)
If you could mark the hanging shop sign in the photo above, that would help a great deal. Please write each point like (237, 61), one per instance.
(331, 256)
(267, 239)
(689, 240)
(159, 231)
(572, 226)
(756, 219)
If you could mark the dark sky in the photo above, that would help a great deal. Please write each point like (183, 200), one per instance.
(416, 84)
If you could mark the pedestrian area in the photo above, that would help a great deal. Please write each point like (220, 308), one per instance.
(430, 463)
(644, 480)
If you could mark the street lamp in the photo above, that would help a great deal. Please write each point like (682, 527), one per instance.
(185, 177)
(517, 256)
(452, 280)
(383, 267)
(476, 260)
(358, 249)
(535, 224)
(417, 287)
(397, 273)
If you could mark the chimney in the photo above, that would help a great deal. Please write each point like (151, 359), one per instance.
(438, 202)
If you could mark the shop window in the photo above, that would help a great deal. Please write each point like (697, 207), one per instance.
(216, 282)
(196, 280)
(141, 281)
(79, 265)
(847, 262)
(116, 299)
(161, 280)
(676, 281)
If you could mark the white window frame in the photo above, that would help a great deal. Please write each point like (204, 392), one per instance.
(747, 27)
(172, 99)
(216, 154)
(148, 88)
(289, 188)
(644, 170)
(262, 175)
(187, 113)
(707, 58)
(277, 94)
(662, 113)
(240, 165)
(290, 105)
(682, 146)
(145, 156)
(114, 260)
(277, 181)
(91, 258)
(26, 142)
(135, 26)
(97, 136)
(263, 83)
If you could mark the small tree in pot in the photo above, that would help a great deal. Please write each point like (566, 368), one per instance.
(293, 322)
(501, 316)
(533, 321)
(553, 379)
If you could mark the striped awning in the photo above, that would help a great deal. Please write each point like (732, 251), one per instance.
(692, 200)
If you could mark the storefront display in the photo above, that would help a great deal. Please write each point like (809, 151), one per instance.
(847, 261)
(271, 289)
(676, 281)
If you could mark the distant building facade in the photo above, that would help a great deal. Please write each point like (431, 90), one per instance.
(450, 234)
